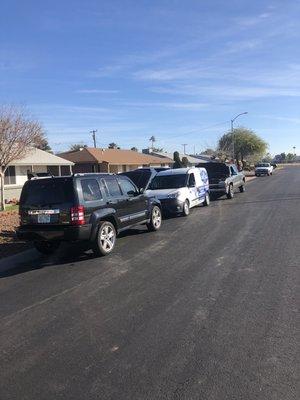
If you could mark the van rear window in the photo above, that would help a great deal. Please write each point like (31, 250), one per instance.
(42, 192)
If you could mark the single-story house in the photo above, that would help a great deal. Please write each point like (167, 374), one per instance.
(35, 162)
(193, 161)
(90, 159)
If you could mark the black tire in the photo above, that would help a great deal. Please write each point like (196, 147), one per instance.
(206, 202)
(230, 193)
(186, 208)
(242, 189)
(46, 247)
(155, 219)
(257, 175)
(105, 240)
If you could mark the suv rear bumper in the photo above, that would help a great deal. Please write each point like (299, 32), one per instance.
(262, 172)
(218, 188)
(54, 232)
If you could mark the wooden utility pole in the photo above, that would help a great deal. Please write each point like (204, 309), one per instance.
(184, 146)
(93, 132)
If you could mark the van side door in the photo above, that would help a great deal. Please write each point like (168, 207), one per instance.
(193, 192)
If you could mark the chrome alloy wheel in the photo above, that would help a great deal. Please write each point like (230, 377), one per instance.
(156, 217)
(207, 199)
(107, 238)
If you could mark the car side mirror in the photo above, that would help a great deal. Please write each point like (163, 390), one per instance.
(192, 185)
(141, 191)
(131, 193)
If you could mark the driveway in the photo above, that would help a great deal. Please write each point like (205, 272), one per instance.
(203, 309)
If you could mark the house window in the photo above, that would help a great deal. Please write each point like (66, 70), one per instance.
(65, 170)
(10, 176)
(53, 170)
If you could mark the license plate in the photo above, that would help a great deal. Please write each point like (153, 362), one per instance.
(43, 219)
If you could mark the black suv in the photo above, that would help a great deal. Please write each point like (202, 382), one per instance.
(89, 207)
(143, 176)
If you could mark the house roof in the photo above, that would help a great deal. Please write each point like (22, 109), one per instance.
(204, 158)
(113, 156)
(191, 160)
(40, 157)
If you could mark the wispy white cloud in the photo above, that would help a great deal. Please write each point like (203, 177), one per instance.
(234, 91)
(178, 72)
(97, 91)
(171, 105)
(291, 120)
(106, 71)
(254, 20)
(241, 46)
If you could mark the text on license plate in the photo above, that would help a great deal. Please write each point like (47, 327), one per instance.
(43, 219)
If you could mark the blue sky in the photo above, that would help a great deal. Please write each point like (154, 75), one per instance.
(178, 70)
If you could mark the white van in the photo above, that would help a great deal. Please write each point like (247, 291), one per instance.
(180, 189)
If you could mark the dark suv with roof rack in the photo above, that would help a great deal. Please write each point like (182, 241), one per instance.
(142, 177)
(83, 207)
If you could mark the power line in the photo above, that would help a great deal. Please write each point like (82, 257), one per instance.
(201, 129)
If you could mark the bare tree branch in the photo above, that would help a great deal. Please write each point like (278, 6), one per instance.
(18, 134)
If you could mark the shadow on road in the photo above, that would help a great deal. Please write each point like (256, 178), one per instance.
(278, 199)
(68, 253)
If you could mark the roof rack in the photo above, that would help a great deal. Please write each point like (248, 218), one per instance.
(92, 173)
(34, 178)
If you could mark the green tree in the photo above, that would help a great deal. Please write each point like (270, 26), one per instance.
(267, 158)
(283, 157)
(176, 158)
(44, 145)
(113, 146)
(77, 146)
(246, 143)
(185, 162)
(290, 157)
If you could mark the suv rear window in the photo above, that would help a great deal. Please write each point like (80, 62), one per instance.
(216, 170)
(139, 178)
(42, 192)
(90, 190)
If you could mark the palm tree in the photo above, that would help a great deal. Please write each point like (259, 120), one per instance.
(152, 140)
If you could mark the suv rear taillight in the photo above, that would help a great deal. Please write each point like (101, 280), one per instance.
(77, 215)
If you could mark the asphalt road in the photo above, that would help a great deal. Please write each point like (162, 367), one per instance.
(204, 309)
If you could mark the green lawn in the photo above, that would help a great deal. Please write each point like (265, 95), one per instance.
(11, 207)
